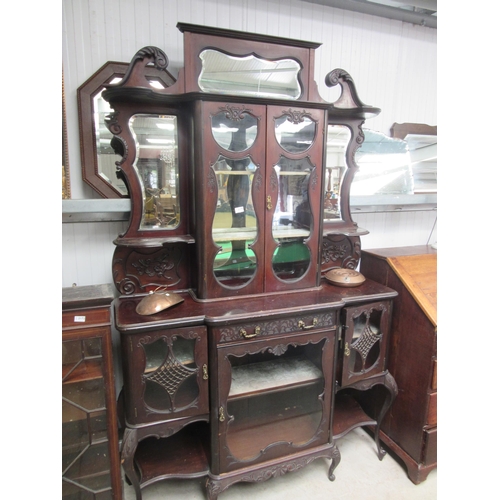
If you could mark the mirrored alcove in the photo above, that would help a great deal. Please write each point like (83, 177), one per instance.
(156, 166)
(337, 140)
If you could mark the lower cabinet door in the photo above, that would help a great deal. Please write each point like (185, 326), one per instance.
(274, 398)
(165, 374)
(364, 341)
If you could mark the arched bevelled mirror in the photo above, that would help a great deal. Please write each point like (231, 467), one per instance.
(249, 75)
(234, 226)
(97, 156)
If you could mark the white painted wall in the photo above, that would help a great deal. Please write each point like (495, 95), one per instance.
(393, 64)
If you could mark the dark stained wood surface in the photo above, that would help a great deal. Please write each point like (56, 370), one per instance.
(193, 312)
(410, 428)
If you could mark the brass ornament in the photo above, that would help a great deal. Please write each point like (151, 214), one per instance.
(344, 277)
(156, 301)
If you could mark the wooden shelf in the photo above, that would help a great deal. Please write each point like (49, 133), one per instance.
(348, 415)
(182, 455)
(278, 374)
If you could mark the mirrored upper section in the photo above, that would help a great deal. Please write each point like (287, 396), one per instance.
(234, 133)
(156, 166)
(294, 134)
(249, 76)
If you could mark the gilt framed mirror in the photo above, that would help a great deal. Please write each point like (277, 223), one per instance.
(97, 156)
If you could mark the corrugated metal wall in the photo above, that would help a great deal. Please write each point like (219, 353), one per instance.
(392, 63)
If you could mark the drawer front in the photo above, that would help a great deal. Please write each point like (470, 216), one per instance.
(251, 330)
(86, 317)
(430, 447)
(434, 382)
(432, 411)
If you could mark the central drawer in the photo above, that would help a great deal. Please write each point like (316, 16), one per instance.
(249, 329)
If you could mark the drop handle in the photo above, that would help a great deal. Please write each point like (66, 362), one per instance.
(306, 327)
(247, 335)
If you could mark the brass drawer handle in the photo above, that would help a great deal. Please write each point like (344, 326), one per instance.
(269, 202)
(221, 414)
(205, 372)
(247, 335)
(305, 327)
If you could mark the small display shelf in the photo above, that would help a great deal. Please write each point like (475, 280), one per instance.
(182, 455)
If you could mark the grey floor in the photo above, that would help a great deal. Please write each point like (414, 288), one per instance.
(360, 475)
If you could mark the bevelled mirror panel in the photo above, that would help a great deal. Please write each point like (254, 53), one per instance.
(295, 134)
(156, 166)
(249, 76)
(336, 165)
(234, 227)
(234, 129)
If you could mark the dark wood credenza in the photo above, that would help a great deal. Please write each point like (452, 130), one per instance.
(410, 427)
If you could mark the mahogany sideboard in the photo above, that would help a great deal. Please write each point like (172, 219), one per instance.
(410, 427)
(243, 389)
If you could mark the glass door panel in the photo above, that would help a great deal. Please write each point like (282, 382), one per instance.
(365, 340)
(275, 397)
(170, 376)
(85, 453)
(234, 227)
(234, 129)
(292, 218)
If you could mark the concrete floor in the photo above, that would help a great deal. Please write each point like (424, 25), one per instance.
(359, 476)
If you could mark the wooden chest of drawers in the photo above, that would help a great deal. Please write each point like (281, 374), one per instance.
(410, 428)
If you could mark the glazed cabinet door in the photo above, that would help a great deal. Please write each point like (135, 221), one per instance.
(293, 195)
(274, 398)
(259, 177)
(364, 337)
(230, 194)
(90, 466)
(165, 374)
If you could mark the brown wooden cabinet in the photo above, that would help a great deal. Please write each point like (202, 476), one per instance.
(410, 428)
(226, 170)
(90, 456)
